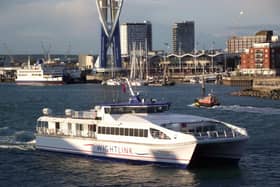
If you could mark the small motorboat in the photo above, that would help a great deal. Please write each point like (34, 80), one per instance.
(208, 101)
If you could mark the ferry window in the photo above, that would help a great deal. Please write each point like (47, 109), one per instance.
(57, 125)
(69, 128)
(103, 130)
(145, 133)
(199, 129)
(191, 130)
(157, 134)
(113, 131)
(141, 132)
(107, 130)
(79, 127)
(136, 132)
(117, 131)
(91, 128)
(99, 130)
(43, 124)
(107, 110)
(131, 132)
(121, 131)
(126, 131)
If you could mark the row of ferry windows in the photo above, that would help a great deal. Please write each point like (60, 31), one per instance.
(123, 131)
(123, 110)
(103, 130)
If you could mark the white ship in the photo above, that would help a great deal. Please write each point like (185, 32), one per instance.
(111, 82)
(142, 131)
(37, 75)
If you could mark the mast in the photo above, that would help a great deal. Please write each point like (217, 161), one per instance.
(140, 62)
(147, 65)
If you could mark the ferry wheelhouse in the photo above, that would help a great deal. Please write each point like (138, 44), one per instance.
(140, 130)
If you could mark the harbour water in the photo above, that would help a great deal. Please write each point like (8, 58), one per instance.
(22, 165)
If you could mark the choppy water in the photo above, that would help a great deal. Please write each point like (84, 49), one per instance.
(22, 165)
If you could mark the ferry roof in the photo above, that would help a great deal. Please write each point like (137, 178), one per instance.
(158, 118)
(123, 104)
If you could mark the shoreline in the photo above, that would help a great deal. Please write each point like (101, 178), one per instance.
(273, 94)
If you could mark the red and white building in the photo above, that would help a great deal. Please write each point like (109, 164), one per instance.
(261, 59)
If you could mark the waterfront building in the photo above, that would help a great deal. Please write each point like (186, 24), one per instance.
(139, 33)
(238, 44)
(261, 59)
(183, 35)
(86, 62)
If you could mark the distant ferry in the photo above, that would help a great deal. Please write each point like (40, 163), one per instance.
(37, 75)
(140, 130)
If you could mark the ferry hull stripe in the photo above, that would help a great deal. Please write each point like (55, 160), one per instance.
(50, 148)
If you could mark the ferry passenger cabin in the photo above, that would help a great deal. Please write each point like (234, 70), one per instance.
(89, 124)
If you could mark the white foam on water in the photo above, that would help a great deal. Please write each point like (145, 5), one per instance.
(239, 108)
(22, 140)
(249, 109)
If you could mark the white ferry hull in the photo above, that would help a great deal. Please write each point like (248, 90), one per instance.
(39, 82)
(178, 154)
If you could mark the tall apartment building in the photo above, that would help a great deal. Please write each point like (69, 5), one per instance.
(183, 35)
(238, 44)
(138, 33)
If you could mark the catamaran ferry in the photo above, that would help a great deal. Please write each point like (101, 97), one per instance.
(140, 130)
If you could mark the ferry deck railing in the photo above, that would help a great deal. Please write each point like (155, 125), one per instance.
(58, 133)
(218, 134)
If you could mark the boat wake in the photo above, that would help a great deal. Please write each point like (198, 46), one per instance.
(21, 140)
(250, 109)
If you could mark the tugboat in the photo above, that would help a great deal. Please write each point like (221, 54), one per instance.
(208, 101)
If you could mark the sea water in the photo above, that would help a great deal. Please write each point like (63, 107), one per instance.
(22, 165)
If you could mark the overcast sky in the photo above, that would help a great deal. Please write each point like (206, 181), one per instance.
(25, 24)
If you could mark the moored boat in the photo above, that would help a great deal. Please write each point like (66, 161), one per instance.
(36, 75)
(111, 82)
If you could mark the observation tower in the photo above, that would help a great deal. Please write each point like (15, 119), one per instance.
(110, 54)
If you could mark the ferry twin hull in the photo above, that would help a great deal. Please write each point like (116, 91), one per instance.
(228, 151)
(178, 154)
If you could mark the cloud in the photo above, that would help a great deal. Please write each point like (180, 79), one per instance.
(53, 21)
(25, 23)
